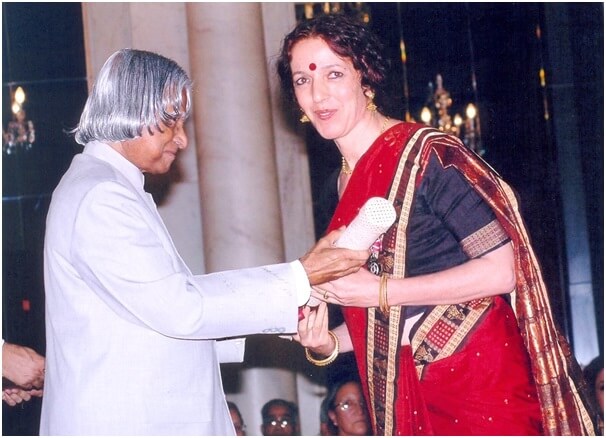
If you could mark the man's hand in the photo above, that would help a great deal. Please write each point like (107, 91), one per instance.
(22, 366)
(324, 262)
(14, 396)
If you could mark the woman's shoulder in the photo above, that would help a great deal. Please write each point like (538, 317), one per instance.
(399, 131)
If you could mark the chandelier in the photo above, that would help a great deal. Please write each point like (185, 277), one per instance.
(466, 127)
(20, 133)
(309, 10)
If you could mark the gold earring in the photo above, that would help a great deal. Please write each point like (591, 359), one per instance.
(304, 118)
(370, 106)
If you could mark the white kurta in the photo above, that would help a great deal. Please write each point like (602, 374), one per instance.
(130, 331)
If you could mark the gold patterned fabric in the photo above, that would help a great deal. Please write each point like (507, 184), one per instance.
(486, 238)
(445, 329)
(560, 386)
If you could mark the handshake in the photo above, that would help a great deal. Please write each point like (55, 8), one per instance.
(22, 373)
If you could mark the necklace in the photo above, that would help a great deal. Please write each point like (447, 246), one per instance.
(345, 169)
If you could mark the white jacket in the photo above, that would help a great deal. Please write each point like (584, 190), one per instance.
(130, 331)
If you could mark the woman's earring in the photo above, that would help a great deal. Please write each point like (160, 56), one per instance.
(304, 118)
(370, 106)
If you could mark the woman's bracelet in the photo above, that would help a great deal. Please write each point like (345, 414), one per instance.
(330, 359)
(383, 304)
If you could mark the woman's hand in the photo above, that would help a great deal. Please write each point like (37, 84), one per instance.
(313, 330)
(360, 289)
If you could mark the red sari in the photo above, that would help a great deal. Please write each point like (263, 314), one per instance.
(471, 369)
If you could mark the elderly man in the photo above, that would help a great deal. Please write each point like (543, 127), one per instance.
(131, 333)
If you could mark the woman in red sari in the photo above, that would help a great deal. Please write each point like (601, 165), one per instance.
(452, 332)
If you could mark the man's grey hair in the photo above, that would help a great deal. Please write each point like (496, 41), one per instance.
(135, 89)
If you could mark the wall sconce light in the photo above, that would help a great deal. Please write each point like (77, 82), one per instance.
(468, 128)
(20, 133)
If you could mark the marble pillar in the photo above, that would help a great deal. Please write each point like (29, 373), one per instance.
(239, 178)
(295, 191)
(291, 150)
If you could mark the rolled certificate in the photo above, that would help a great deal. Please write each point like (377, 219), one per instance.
(375, 217)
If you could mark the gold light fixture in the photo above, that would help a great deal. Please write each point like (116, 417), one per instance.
(308, 10)
(471, 133)
(426, 115)
(467, 128)
(20, 133)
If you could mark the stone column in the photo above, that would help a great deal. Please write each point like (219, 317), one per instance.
(237, 166)
(241, 216)
(295, 197)
(291, 150)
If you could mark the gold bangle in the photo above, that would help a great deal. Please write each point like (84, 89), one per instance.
(330, 359)
(383, 305)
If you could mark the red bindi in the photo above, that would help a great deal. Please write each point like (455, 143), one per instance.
(312, 66)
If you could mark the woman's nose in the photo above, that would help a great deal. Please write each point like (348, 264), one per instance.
(318, 91)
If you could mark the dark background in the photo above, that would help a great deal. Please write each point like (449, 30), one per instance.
(43, 51)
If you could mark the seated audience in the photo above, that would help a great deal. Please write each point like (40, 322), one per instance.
(236, 417)
(280, 418)
(347, 409)
(326, 426)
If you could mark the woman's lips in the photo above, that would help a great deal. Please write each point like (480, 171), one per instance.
(324, 114)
